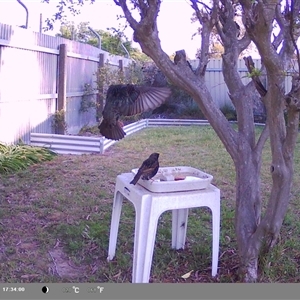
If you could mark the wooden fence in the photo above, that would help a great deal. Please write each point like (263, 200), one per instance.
(40, 74)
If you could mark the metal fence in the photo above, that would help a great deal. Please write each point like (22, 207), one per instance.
(40, 74)
(66, 144)
(215, 80)
(32, 70)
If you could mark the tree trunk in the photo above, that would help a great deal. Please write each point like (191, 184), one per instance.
(255, 236)
(248, 208)
(253, 233)
(253, 239)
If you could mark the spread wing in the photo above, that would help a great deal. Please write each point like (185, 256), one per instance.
(116, 100)
(144, 98)
(128, 100)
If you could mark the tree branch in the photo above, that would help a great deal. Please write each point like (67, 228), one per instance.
(292, 100)
(255, 78)
(229, 31)
(132, 22)
(244, 42)
(258, 20)
(232, 50)
(180, 59)
(151, 12)
(285, 26)
(207, 21)
(220, 31)
(180, 74)
(292, 24)
(262, 139)
(278, 39)
(143, 8)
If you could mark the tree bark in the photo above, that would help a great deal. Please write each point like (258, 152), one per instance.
(248, 210)
(254, 233)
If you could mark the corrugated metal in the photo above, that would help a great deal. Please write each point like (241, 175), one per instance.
(136, 126)
(75, 118)
(66, 144)
(129, 129)
(48, 66)
(175, 122)
(215, 83)
(76, 81)
(69, 144)
(215, 80)
(24, 75)
(84, 74)
(28, 78)
(5, 31)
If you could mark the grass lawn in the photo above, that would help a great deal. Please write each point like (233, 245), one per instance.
(55, 216)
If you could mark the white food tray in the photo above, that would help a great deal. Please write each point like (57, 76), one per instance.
(176, 179)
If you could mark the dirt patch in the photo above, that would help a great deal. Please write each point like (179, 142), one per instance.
(63, 266)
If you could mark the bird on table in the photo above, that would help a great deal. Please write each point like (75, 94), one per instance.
(148, 169)
(128, 100)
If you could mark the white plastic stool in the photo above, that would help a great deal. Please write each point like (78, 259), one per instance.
(148, 207)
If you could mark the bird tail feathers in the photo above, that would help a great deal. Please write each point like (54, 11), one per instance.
(111, 131)
(136, 178)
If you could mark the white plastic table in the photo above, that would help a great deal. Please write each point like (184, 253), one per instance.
(148, 207)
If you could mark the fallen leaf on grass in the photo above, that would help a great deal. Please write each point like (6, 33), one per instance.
(117, 275)
(187, 275)
(28, 276)
(227, 239)
(57, 243)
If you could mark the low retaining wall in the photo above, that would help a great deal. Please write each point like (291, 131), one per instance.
(73, 144)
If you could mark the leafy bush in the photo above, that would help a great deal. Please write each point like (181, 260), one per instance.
(89, 130)
(229, 112)
(179, 105)
(108, 75)
(19, 157)
(87, 101)
(59, 121)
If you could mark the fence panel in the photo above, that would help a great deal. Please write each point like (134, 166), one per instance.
(27, 99)
(79, 73)
(29, 81)
(67, 144)
(215, 79)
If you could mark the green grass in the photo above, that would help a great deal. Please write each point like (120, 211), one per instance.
(55, 216)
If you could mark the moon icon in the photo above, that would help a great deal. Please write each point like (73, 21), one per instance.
(45, 289)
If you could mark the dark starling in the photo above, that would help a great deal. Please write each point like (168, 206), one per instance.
(128, 100)
(148, 169)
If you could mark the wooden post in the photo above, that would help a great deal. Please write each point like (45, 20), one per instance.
(122, 76)
(62, 88)
(41, 23)
(99, 96)
(120, 65)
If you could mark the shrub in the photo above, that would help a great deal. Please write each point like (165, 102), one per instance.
(229, 112)
(20, 156)
(179, 104)
(59, 122)
(87, 100)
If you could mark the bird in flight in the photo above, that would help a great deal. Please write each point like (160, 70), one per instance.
(128, 100)
(148, 169)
